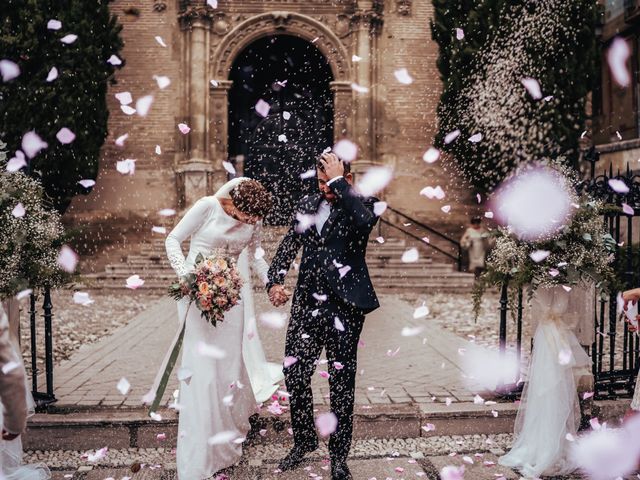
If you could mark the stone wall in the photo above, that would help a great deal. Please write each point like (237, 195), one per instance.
(404, 116)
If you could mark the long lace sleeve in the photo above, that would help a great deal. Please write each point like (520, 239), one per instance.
(256, 255)
(187, 226)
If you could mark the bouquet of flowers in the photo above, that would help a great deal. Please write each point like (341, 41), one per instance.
(214, 286)
(580, 252)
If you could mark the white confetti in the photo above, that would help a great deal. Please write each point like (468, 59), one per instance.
(54, 24)
(617, 58)
(379, 208)
(374, 180)
(9, 70)
(432, 155)
(134, 282)
(143, 105)
(402, 75)
(18, 211)
(533, 87)
(346, 150)
(65, 135)
(123, 386)
(32, 144)
(52, 75)
(69, 39)
(410, 255)
(160, 41)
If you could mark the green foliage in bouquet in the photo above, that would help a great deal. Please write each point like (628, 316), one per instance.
(76, 99)
(580, 252)
(29, 244)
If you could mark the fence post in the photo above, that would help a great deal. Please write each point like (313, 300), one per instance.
(48, 341)
(34, 346)
(504, 306)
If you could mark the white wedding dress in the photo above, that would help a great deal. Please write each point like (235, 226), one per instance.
(549, 408)
(217, 395)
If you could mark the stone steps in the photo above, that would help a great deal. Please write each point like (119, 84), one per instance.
(388, 272)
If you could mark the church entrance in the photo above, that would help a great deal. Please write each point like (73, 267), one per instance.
(293, 77)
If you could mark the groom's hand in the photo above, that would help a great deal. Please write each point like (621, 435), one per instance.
(333, 166)
(278, 295)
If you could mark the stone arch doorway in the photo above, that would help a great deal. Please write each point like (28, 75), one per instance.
(293, 77)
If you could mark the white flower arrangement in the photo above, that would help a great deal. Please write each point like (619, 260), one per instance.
(30, 236)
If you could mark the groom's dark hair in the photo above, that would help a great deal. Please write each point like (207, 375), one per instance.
(251, 198)
(319, 166)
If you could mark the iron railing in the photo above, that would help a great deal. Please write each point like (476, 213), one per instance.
(615, 351)
(454, 252)
(42, 399)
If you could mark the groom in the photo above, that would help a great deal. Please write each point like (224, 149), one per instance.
(333, 294)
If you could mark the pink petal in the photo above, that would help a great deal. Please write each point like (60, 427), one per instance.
(126, 167)
(338, 324)
(54, 24)
(143, 105)
(459, 33)
(359, 88)
(69, 39)
(18, 211)
(114, 60)
(618, 186)
(262, 108)
(52, 75)
(127, 109)
(410, 255)
(374, 180)
(554, 272)
(475, 138)
(162, 81)
(451, 136)
(65, 135)
(533, 87)
(587, 395)
(402, 75)
(346, 150)
(539, 255)
(565, 356)
(228, 166)
(288, 361)
(338, 365)
(627, 209)
(429, 427)
(617, 57)
(432, 155)
(326, 423)
(323, 374)
(120, 140)
(379, 208)
(124, 98)
(212, 3)
(380, 240)
(161, 436)
(184, 128)
(275, 320)
(32, 144)
(9, 70)
(16, 163)
(67, 259)
(451, 472)
(344, 270)
(134, 282)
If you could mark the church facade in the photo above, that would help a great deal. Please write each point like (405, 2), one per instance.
(343, 62)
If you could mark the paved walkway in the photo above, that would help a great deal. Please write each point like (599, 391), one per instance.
(393, 368)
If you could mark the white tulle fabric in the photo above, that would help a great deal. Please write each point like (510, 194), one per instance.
(217, 396)
(549, 408)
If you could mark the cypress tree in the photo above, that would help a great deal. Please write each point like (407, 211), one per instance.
(76, 99)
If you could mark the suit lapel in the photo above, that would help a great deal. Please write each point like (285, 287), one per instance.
(326, 229)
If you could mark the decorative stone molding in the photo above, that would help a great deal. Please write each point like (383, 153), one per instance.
(244, 33)
(159, 6)
(192, 13)
(221, 24)
(403, 7)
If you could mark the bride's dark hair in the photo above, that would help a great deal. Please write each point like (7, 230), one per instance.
(251, 198)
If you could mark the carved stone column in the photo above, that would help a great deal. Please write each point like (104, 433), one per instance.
(219, 128)
(195, 170)
(342, 110)
(367, 21)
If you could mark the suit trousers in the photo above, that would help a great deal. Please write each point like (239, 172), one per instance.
(316, 324)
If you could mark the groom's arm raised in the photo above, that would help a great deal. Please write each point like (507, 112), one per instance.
(359, 209)
(286, 253)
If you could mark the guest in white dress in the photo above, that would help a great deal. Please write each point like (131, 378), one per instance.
(218, 393)
(476, 241)
(549, 408)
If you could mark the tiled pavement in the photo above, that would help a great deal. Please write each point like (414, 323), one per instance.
(393, 368)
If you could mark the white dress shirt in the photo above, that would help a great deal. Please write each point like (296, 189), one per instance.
(324, 209)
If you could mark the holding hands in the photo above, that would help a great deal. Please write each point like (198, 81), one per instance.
(278, 295)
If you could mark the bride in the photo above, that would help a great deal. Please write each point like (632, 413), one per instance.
(218, 393)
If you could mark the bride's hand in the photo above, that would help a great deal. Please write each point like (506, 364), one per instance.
(630, 296)
(9, 436)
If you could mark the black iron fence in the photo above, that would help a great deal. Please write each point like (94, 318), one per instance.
(615, 351)
(42, 399)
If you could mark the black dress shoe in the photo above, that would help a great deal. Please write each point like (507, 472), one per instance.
(295, 457)
(340, 471)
